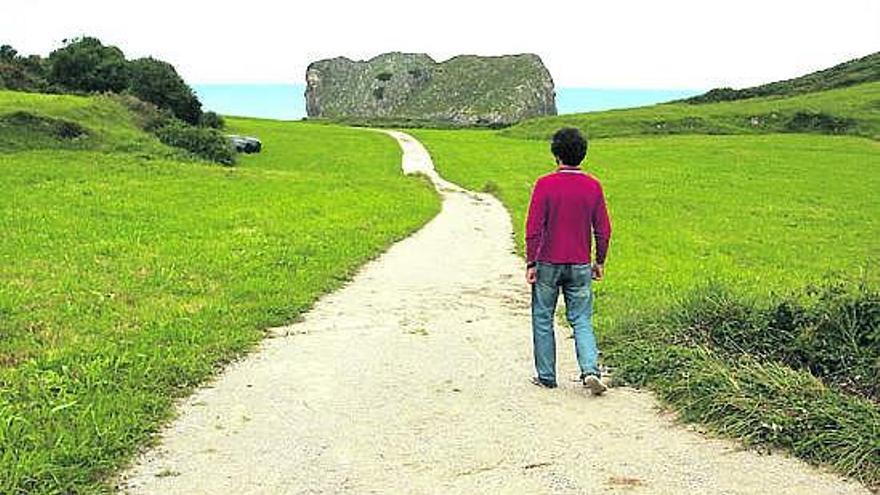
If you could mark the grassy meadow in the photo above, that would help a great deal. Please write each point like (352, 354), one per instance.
(729, 222)
(853, 110)
(764, 213)
(128, 277)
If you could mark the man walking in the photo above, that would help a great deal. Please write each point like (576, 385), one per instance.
(567, 209)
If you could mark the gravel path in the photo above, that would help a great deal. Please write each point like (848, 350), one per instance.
(414, 379)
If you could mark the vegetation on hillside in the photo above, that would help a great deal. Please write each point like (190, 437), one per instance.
(854, 111)
(850, 73)
(799, 372)
(129, 277)
(106, 122)
(109, 125)
(758, 215)
(85, 66)
(22, 73)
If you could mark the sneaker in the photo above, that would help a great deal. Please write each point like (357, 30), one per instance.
(594, 384)
(541, 383)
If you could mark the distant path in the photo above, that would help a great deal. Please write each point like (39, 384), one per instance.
(414, 379)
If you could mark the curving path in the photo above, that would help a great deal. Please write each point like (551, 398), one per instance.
(414, 379)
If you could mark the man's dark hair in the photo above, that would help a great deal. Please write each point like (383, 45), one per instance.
(569, 146)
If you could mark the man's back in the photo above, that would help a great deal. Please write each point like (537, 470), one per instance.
(567, 208)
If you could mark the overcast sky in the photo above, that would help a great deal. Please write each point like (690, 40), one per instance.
(603, 44)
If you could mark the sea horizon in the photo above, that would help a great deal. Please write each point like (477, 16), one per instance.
(286, 101)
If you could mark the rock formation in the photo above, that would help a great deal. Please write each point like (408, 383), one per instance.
(466, 90)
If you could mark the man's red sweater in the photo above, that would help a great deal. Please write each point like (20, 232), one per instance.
(567, 207)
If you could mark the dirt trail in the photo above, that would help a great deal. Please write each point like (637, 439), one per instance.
(414, 379)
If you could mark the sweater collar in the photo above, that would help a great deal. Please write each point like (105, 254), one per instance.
(568, 168)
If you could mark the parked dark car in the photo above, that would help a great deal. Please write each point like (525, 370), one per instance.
(245, 144)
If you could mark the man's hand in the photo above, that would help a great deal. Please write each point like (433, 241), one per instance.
(598, 272)
(531, 274)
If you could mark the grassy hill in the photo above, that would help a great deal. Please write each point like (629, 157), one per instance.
(850, 73)
(128, 274)
(31, 121)
(854, 110)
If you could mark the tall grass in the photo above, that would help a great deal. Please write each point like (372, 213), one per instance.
(799, 373)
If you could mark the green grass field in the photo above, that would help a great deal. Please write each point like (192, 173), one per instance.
(126, 278)
(128, 274)
(760, 216)
(761, 212)
(860, 104)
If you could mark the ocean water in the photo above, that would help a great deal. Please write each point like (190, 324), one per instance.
(269, 101)
(286, 101)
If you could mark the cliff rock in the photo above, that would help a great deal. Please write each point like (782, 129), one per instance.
(465, 90)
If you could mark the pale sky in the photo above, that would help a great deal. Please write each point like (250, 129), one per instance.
(603, 44)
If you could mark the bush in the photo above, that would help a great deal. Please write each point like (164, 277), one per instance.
(209, 144)
(212, 120)
(21, 73)
(818, 122)
(157, 82)
(85, 64)
(15, 78)
(8, 54)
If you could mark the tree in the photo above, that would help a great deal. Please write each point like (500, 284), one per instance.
(84, 64)
(8, 54)
(157, 82)
(21, 73)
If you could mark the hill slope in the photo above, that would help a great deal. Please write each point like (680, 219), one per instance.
(854, 110)
(39, 121)
(850, 73)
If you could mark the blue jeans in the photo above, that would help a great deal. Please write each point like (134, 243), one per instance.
(576, 283)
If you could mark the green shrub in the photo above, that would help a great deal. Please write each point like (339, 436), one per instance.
(157, 82)
(84, 64)
(13, 77)
(21, 73)
(209, 144)
(212, 120)
(8, 54)
(805, 121)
